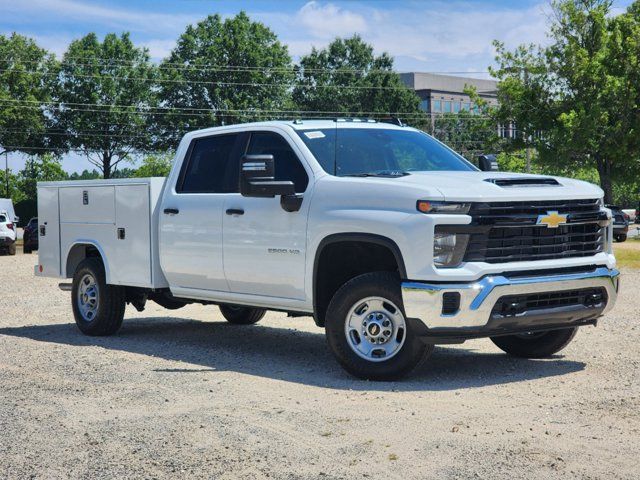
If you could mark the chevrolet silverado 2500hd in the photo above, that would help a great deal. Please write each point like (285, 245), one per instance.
(388, 238)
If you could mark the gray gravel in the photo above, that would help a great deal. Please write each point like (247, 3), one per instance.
(182, 394)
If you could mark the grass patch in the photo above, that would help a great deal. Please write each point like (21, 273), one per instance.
(628, 253)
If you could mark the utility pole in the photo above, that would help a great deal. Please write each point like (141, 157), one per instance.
(6, 171)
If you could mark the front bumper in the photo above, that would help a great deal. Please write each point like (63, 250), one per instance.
(475, 317)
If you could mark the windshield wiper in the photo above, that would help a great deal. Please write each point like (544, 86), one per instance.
(381, 173)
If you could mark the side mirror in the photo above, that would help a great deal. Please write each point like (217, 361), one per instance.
(488, 163)
(257, 173)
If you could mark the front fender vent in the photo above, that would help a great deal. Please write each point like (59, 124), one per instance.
(524, 182)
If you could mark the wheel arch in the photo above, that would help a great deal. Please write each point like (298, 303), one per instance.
(80, 250)
(393, 261)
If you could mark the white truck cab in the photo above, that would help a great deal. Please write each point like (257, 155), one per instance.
(388, 238)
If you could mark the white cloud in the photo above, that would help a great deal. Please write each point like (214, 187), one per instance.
(329, 21)
(433, 36)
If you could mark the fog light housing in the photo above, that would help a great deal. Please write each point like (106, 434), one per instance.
(449, 248)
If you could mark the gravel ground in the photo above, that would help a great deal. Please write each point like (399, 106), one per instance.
(182, 394)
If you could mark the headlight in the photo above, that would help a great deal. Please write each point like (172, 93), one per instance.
(449, 248)
(601, 202)
(426, 206)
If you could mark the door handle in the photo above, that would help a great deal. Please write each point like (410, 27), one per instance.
(171, 211)
(235, 211)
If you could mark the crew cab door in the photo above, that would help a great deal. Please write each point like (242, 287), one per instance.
(265, 246)
(192, 211)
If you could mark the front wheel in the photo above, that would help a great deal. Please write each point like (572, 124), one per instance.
(535, 344)
(367, 330)
(97, 307)
(12, 249)
(242, 315)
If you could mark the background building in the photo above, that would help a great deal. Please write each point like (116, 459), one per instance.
(445, 93)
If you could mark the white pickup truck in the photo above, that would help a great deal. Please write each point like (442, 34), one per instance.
(388, 238)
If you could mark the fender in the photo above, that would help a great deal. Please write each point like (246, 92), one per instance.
(356, 237)
(94, 244)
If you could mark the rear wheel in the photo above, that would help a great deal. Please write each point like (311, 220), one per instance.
(239, 315)
(621, 238)
(367, 330)
(26, 249)
(12, 249)
(98, 308)
(535, 344)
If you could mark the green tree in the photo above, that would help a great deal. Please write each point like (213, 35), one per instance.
(576, 100)
(41, 168)
(222, 72)
(155, 166)
(26, 78)
(347, 78)
(105, 91)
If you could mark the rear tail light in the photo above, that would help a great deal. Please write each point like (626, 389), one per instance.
(10, 226)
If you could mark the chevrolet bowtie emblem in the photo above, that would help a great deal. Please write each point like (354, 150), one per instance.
(551, 220)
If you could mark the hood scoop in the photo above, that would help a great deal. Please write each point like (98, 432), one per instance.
(524, 182)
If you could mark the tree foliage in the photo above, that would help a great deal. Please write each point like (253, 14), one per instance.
(576, 101)
(347, 78)
(104, 89)
(222, 72)
(155, 166)
(25, 86)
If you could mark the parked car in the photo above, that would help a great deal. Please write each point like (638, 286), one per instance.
(620, 223)
(30, 237)
(388, 238)
(7, 234)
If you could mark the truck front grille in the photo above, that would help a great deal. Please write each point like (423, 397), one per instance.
(507, 232)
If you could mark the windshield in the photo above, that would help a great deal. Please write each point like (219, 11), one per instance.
(380, 151)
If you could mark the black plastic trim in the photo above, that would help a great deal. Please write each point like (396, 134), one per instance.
(355, 237)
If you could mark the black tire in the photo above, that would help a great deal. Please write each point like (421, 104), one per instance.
(239, 315)
(411, 353)
(26, 250)
(535, 345)
(12, 249)
(621, 238)
(110, 301)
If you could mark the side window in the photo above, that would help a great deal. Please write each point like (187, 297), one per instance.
(287, 164)
(208, 165)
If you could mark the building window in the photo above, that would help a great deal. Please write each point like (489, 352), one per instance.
(466, 106)
(437, 106)
(447, 107)
(424, 105)
(456, 107)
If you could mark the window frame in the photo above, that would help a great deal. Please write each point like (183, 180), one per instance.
(179, 186)
(292, 146)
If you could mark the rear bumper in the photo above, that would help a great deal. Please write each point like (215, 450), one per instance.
(6, 241)
(476, 317)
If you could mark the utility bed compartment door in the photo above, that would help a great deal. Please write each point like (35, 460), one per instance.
(93, 205)
(48, 232)
(133, 232)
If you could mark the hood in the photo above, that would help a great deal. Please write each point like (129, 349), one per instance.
(479, 187)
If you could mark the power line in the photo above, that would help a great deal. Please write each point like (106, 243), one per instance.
(209, 82)
(71, 107)
(103, 61)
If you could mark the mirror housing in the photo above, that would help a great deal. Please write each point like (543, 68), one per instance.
(257, 173)
(488, 163)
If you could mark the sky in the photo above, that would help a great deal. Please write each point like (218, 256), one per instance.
(422, 35)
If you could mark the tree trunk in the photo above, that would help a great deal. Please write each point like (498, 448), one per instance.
(604, 172)
(106, 165)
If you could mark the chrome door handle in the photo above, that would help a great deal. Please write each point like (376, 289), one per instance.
(171, 211)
